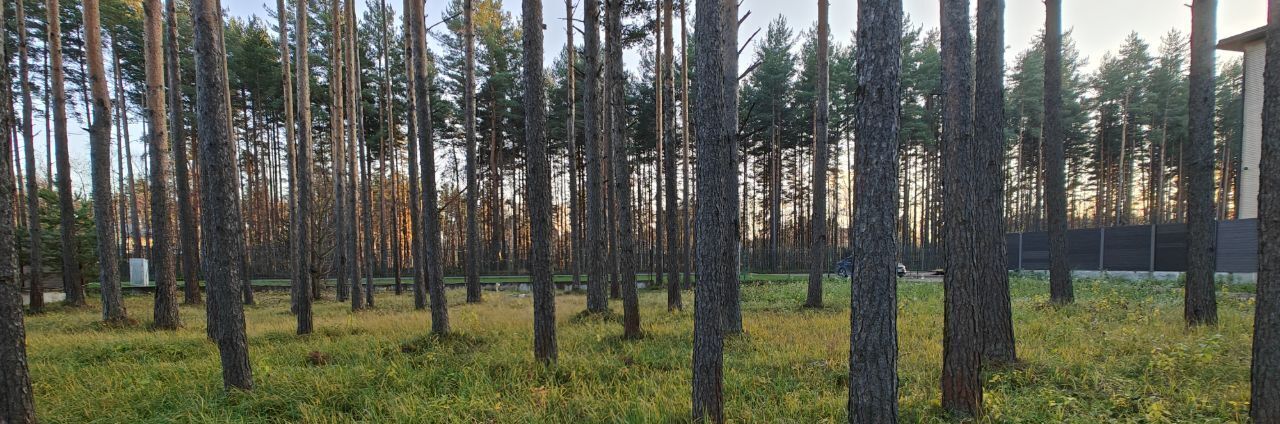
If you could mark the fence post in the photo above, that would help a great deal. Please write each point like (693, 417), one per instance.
(1151, 261)
(1102, 248)
(1020, 249)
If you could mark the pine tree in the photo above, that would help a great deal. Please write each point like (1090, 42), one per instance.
(35, 256)
(1201, 306)
(1060, 290)
(873, 382)
(994, 312)
(113, 310)
(302, 169)
(1264, 404)
(164, 246)
(818, 245)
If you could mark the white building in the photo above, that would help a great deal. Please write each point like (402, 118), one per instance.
(1253, 45)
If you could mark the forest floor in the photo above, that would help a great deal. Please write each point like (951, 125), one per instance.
(1120, 353)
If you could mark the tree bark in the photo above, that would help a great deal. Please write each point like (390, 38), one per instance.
(113, 310)
(35, 256)
(188, 230)
(1201, 307)
(597, 267)
(672, 221)
(163, 253)
(1264, 406)
(717, 186)
(1060, 290)
(415, 198)
(995, 314)
(873, 353)
(818, 245)
(71, 276)
(571, 129)
(961, 360)
(616, 80)
(539, 191)
(431, 213)
(223, 239)
(16, 403)
(302, 169)
(469, 105)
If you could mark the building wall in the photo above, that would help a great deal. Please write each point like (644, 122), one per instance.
(1254, 58)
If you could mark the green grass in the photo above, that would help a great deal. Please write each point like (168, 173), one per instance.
(1121, 353)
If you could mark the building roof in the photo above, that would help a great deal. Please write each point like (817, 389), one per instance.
(1238, 41)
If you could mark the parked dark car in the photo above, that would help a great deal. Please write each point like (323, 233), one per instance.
(844, 268)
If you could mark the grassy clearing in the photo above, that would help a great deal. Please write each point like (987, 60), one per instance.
(1120, 354)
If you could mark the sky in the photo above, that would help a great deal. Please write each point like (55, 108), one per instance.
(1097, 26)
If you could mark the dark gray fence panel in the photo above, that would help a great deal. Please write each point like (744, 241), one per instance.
(1238, 246)
(1035, 250)
(1013, 250)
(1171, 247)
(1127, 248)
(1082, 248)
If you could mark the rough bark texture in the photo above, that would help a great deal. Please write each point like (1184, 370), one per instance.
(818, 225)
(717, 187)
(873, 353)
(223, 230)
(16, 404)
(66, 204)
(415, 197)
(471, 257)
(571, 126)
(1264, 406)
(163, 242)
(597, 267)
(961, 380)
(104, 216)
(187, 228)
(35, 258)
(1200, 306)
(302, 170)
(672, 223)
(995, 315)
(621, 167)
(730, 307)
(1055, 191)
(430, 267)
(539, 190)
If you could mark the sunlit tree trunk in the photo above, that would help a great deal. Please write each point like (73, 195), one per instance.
(621, 167)
(471, 257)
(430, 267)
(187, 228)
(672, 221)
(113, 310)
(163, 242)
(66, 205)
(303, 171)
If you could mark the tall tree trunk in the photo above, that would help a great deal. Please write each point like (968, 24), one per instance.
(659, 88)
(469, 110)
(413, 12)
(1060, 290)
(717, 184)
(432, 273)
(539, 191)
(355, 156)
(597, 267)
(673, 221)
(16, 404)
(135, 232)
(163, 241)
(995, 315)
(223, 239)
(571, 129)
(35, 256)
(873, 353)
(113, 310)
(616, 79)
(1201, 306)
(1264, 405)
(338, 134)
(961, 359)
(188, 230)
(66, 205)
(818, 246)
(687, 242)
(730, 307)
(302, 169)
